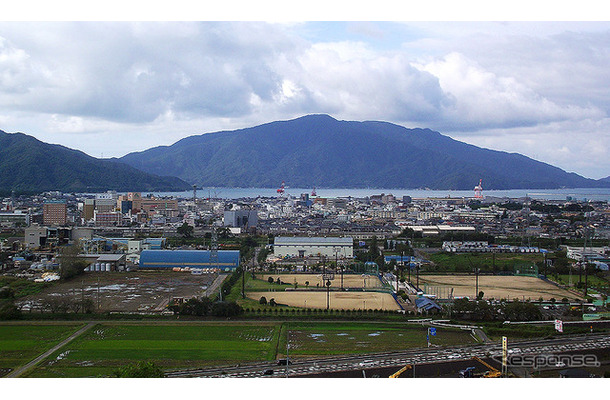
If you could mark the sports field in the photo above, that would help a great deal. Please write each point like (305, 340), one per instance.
(338, 300)
(315, 280)
(497, 287)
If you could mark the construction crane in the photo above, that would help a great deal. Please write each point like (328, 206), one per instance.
(491, 373)
(478, 190)
(281, 189)
(400, 371)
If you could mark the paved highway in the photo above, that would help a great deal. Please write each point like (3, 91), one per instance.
(413, 356)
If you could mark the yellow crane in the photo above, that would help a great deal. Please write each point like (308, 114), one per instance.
(400, 371)
(492, 373)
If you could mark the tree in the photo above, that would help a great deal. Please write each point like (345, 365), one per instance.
(306, 284)
(141, 369)
(272, 303)
(480, 295)
(270, 280)
(185, 230)
(70, 264)
(263, 300)
(226, 309)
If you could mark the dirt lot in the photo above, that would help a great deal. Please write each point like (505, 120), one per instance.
(338, 300)
(498, 287)
(349, 281)
(141, 291)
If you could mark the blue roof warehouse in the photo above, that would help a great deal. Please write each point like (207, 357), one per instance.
(194, 259)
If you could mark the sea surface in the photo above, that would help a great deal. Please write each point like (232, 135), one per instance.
(597, 194)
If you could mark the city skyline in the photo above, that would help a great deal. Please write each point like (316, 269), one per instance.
(110, 88)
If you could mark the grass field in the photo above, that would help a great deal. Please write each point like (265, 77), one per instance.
(338, 300)
(485, 261)
(498, 287)
(315, 339)
(22, 343)
(107, 346)
(592, 280)
(356, 281)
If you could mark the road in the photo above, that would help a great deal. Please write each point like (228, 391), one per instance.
(398, 359)
(19, 371)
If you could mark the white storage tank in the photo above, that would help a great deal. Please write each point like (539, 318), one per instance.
(107, 267)
(97, 267)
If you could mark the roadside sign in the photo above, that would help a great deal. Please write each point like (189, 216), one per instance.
(433, 331)
(559, 325)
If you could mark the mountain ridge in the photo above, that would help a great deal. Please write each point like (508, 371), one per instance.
(318, 150)
(28, 164)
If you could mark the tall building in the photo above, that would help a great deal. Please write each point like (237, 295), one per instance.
(55, 212)
(241, 218)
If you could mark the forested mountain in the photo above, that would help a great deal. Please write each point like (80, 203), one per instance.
(318, 150)
(27, 164)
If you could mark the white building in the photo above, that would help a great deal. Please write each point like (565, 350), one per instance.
(342, 247)
(576, 253)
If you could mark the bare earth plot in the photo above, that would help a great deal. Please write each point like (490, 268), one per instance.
(141, 291)
(349, 280)
(338, 300)
(497, 287)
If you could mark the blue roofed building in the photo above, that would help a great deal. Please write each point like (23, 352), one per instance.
(425, 304)
(194, 259)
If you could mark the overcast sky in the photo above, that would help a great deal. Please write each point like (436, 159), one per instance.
(541, 89)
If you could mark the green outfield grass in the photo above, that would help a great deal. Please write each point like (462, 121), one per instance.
(452, 262)
(593, 281)
(20, 344)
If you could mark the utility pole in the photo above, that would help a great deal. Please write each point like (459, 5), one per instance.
(243, 282)
(476, 272)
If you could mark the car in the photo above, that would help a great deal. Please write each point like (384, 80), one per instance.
(268, 372)
(560, 364)
(284, 361)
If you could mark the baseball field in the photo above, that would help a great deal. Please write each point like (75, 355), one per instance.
(497, 287)
(356, 281)
(338, 300)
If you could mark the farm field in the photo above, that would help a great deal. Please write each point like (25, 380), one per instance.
(107, 347)
(20, 343)
(175, 345)
(142, 291)
(497, 287)
(338, 300)
(316, 339)
(356, 281)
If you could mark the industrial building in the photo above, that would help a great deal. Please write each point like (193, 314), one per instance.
(342, 247)
(193, 259)
(241, 218)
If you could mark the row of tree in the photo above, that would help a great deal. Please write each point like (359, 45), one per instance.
(481, 310)
(204, 306)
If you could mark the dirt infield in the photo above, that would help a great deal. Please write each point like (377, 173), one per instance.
(338, 300)
(349, 280)
(497, 287)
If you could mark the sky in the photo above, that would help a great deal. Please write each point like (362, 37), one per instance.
(525, 84)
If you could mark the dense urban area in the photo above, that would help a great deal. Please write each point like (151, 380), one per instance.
(367, 287)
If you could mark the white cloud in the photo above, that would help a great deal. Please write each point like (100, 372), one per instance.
(131, 86)
(483, 99)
